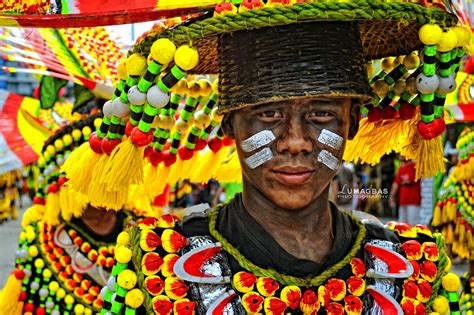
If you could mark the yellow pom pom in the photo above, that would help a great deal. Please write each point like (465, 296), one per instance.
(79, 309)
(67, 139)
(430, 34)
(448, 41)
(41, 161)
(30, 235)
(387, 63)
(68, 299)
(136, 65)
(162, 51)
(205, 87)
(76, 134)
(39, 263)
(33, 251)
(58, 144)
(451, 282)
(186, 57)
(61, 293)
(88, 311)
(123, 254)
(97, 122)
(215, 87)
(440, 304)
(411, 61)
(134, 298)
(47, 273)
(123, 238)
(216, 117)
(50, 149)
(127, 279)
(122, 70)
(86, 131)
(53, 286)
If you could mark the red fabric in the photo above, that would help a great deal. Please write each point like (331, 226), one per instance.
(9, 129)
(409, 192)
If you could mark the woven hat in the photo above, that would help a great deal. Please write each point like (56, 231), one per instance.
(262, 52)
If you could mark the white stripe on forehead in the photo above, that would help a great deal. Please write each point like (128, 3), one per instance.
(259, 158)
(328, 159)
(330, 139)
(258, 140)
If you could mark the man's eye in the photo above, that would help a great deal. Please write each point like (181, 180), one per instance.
(270, 114)
(321, 115)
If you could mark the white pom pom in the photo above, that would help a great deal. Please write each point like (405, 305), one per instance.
(120, 109)
(156, 97)
(135, 97)
(107, 109)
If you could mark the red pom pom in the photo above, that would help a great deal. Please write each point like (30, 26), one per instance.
(389, 113)
(147, 152)
(200, 144)
(29, 308)
(108, 145)
(185, 153)
(140, 138)
(53, 188)
(215, 144)
(169, 158)
(95, 143)
(62, 181)
(374, 115)
(407, 111)
(22, 296)
(155, 157)
(226, 141)
(129, 128)
(427, 130)
(39, 201)
(19, 274)
(40, 311)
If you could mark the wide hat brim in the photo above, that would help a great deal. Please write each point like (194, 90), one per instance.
(386, 28)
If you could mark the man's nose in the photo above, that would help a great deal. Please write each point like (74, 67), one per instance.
(295, 138)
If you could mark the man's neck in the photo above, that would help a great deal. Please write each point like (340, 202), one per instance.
(305, 233)
(100, 221)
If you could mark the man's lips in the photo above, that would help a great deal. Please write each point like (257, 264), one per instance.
(293, 176)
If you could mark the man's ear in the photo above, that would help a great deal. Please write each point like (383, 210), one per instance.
(354, 120)
(227, 125)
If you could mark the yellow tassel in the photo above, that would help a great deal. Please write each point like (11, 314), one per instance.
(65, 203)
(33, 214)
(10, 294)
(159, 183)
(374, 140)
(436, 217)
(53, 208)
(449, 234)
(229, 171)
(79, 167)
(125, 167)
(462, 233)
(208, 162)
(175, 172)
(429, 158)
(149, 176)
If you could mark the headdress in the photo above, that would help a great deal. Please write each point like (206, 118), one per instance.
(257, 52)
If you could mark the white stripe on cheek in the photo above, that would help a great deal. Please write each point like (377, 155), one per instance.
(328, 159)
(259, 158)
(330, 139)
(258, 140)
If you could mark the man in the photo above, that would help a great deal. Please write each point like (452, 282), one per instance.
(408, 191)
(290, 92)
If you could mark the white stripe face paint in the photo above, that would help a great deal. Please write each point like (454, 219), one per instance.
(257, 141)
(328, 159)
(331, 139)
(259, 158)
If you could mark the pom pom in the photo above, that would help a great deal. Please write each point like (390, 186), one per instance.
(186, 57)
(427, 84)
(136, 65)
(185, 153)
(135, 96)
(162, 51)
(95, 143)
(448, 41)
(156, 97)
(140, 138)
(120, 109)
(446, 84)
(122, 70)
(374, 115)
(134, 298)
(406, 111)
(411, 61)
(451, 282)
(127, 279)
(123, 254)
(440, 304)
(430, 34)
(107, 109)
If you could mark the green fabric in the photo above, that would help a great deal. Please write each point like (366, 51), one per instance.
(49, 91)
(82, 96)
(231, 189)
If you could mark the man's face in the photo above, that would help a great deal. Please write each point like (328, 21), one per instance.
(298, 171)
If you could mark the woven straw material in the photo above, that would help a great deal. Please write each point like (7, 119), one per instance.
(387, 28)
(292, 61)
